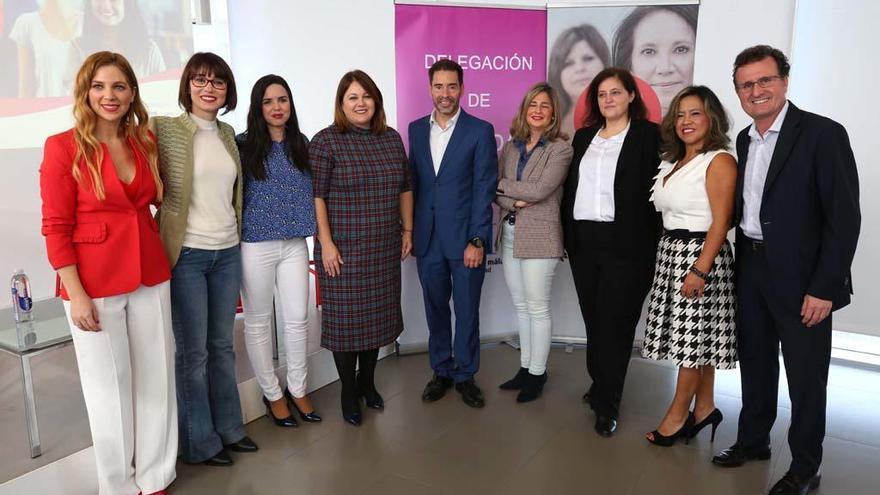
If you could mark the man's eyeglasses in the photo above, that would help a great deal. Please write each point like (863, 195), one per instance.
(202, 81)
(761, 83)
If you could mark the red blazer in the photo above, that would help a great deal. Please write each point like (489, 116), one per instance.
(115, 242)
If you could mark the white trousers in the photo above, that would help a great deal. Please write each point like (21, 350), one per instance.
(127, 375)
(529, 281)
(267, 266)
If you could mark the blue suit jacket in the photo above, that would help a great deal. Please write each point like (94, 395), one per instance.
(809, 214)
(454, 204)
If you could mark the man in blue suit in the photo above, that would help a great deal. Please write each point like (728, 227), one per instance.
(454, 167)
(798, 219)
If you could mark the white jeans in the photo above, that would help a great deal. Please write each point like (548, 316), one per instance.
(127, 375)
(267, 266)
(529, 281)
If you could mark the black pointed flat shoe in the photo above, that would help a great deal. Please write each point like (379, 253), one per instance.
(220, 459)
(245, 445)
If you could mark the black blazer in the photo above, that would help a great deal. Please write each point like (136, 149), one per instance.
(810, 214)
(637, 222)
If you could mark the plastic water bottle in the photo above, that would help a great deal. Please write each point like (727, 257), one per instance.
(23, 308)
(22, 304)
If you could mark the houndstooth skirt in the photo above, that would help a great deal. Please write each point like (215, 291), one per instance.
(697, 331)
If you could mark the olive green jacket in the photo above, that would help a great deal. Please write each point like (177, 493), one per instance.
(175, 135)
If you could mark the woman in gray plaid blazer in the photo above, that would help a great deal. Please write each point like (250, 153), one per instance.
(531, 171)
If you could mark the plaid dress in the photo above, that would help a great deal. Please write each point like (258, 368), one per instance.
(360, 176)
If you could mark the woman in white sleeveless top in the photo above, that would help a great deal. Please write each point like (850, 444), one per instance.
(692, 300)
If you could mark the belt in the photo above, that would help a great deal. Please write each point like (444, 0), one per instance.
(753, 244)
(684, 234)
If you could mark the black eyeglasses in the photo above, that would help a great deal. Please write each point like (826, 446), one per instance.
(201, 81)
(761, 83)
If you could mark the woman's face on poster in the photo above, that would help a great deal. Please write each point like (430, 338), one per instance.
(663, 54)
(108, 12)
(581, 66)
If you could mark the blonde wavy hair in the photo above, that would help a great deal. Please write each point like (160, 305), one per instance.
(133, 126)
(519, 129)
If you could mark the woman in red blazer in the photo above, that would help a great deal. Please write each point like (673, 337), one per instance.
(97, 182)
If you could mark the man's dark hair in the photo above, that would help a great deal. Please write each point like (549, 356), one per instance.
(446, 64)
(757, 53)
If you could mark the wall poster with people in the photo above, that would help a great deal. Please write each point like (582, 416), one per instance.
(656, 42)
(45, 41)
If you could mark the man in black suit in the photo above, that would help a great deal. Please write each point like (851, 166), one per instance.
(797, 217)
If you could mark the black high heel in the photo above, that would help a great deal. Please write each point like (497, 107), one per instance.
(351, 406)
(311, 417)
(664, 441)
(373, 400)
(287, 422)
(371, 396)
(714, 418)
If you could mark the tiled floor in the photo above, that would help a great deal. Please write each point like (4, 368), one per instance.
(544, 447)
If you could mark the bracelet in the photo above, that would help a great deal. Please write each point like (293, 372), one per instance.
(696, 271)
(407, 230)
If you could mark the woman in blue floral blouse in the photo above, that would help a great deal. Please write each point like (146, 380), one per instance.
(278, 214)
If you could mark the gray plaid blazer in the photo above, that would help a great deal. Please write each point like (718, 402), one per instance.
(538, 227)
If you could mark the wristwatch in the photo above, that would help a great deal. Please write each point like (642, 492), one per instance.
(476, 242)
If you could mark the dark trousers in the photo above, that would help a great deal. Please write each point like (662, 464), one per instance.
(611, 290)
(763, 321)
(442, 278)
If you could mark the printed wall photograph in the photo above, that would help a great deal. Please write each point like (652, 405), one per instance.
(656, 42)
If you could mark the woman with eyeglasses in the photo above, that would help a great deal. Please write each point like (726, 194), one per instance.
(200, 225)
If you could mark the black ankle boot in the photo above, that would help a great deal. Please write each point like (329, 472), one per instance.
(532, 387)
(516, 382)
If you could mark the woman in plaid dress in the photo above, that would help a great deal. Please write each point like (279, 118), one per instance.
(364, 209)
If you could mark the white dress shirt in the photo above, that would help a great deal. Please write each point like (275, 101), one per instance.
(440, 138)
(757, 164)
(594, 199)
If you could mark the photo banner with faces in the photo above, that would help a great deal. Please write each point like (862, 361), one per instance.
(44, 42)
(656, 42)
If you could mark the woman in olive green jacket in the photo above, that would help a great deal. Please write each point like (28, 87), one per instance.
(199, 222)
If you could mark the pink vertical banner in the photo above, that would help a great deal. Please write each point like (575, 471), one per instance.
(502, 51)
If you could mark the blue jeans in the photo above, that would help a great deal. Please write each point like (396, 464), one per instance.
(204, 293)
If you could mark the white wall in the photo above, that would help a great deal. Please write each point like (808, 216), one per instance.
(834, 71)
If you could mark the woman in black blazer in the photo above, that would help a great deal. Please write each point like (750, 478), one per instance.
(611, 230)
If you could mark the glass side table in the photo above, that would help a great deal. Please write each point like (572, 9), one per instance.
(48, 335)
